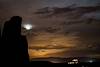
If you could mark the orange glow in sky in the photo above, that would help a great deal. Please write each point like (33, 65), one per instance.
(46, 44)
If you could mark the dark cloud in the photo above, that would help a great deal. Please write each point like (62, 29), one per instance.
(68, 11)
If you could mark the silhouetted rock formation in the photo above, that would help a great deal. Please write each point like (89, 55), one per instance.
(0, 39)
(0, 35)
(14, 44)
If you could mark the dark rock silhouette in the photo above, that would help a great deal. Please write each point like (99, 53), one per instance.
(14, 44)
(0, 37)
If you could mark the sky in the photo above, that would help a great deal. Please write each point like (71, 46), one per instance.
(60, 27)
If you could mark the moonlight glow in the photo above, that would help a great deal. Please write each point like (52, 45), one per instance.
(28, 26)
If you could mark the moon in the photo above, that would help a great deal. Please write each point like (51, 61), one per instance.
(28, 26)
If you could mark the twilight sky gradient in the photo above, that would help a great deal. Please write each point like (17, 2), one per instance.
(62, 28)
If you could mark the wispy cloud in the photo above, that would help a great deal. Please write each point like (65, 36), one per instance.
(70, 11)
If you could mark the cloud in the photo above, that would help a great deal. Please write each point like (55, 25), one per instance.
(70, 11)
